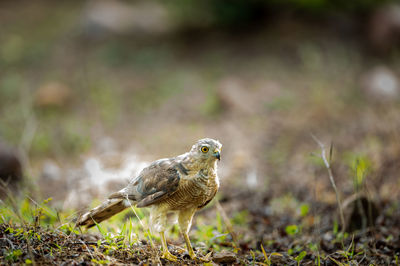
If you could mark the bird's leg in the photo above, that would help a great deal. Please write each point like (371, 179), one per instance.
(166, 254)
(189, 245)
(190, 249)
(158, 220)
(185, 221)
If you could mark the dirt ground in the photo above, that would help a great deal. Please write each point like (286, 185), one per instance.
(88, 108)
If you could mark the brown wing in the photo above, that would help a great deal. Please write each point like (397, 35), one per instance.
(155, 183)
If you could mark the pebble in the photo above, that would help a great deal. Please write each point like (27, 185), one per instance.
(224, 257)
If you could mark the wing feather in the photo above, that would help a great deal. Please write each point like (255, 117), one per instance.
(155, 183)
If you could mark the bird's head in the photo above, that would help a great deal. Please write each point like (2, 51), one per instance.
(207, 150)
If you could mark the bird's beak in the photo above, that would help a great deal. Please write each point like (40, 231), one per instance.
(217, 154)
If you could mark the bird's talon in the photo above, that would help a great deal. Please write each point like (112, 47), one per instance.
(200, 259)
(168, 256)
(194, 257)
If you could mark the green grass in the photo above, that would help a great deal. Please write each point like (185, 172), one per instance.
(27, 218)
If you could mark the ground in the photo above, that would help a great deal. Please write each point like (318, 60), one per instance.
(72, 94)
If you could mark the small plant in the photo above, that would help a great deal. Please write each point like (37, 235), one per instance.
(13, 255)
(300, 257)
(101, 262)
(292, 229)
(304, 209)
(360, 167)
(253, 256)
(268, 258)
(327, 163)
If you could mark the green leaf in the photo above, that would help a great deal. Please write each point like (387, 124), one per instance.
(265, 255)
(47, 200)
(304, 209)
(360, 167)
(300, 257)
(335, 227)
(130, 231)
(123, 230)
(100, 229)
(292, 229)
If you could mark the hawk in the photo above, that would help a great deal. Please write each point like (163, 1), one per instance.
(181, 185)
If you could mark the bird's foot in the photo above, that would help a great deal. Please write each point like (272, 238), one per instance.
(168, 256)
(194, 257)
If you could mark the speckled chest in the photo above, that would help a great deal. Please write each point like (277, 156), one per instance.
(194, 192)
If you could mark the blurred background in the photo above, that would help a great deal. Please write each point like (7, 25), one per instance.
(92, 91)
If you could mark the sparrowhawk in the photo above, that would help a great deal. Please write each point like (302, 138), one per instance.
(181, 185)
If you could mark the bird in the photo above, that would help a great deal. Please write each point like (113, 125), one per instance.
(180, 185)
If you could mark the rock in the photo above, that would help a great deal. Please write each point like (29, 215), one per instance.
(328, 236)
(90, 237)
(53, 94)
(51, 171)
(252, 179)
(381, 84)
(122, 17)
(10, 169)
(224, 257)
(384, 28)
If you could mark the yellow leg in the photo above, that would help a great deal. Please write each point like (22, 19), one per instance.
(189, 245)
(190, 249)
(166, 254)
(185, 221)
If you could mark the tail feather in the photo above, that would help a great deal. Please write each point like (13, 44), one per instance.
(102, 212)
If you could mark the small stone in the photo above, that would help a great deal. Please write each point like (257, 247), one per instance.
(53, 94)
(328, 236)
(122, 17)
(224, 257)
(384, 27)
(51, 171)
(381, 83)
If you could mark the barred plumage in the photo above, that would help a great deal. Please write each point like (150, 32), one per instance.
(182, 185)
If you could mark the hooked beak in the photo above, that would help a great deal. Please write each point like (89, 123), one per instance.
(217, 154)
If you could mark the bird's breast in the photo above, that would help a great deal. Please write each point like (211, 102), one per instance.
(193, 193)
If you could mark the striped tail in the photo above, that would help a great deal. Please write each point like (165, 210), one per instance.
(102, 212)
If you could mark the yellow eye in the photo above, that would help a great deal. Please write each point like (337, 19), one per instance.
(204, 149)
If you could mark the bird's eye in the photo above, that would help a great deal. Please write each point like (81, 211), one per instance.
(204, 149)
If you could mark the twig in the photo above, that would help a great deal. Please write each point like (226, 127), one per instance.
(9, 242)
(228, 223)
(87, 248)
(141, 223)
(328, 167)
(148, 231)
